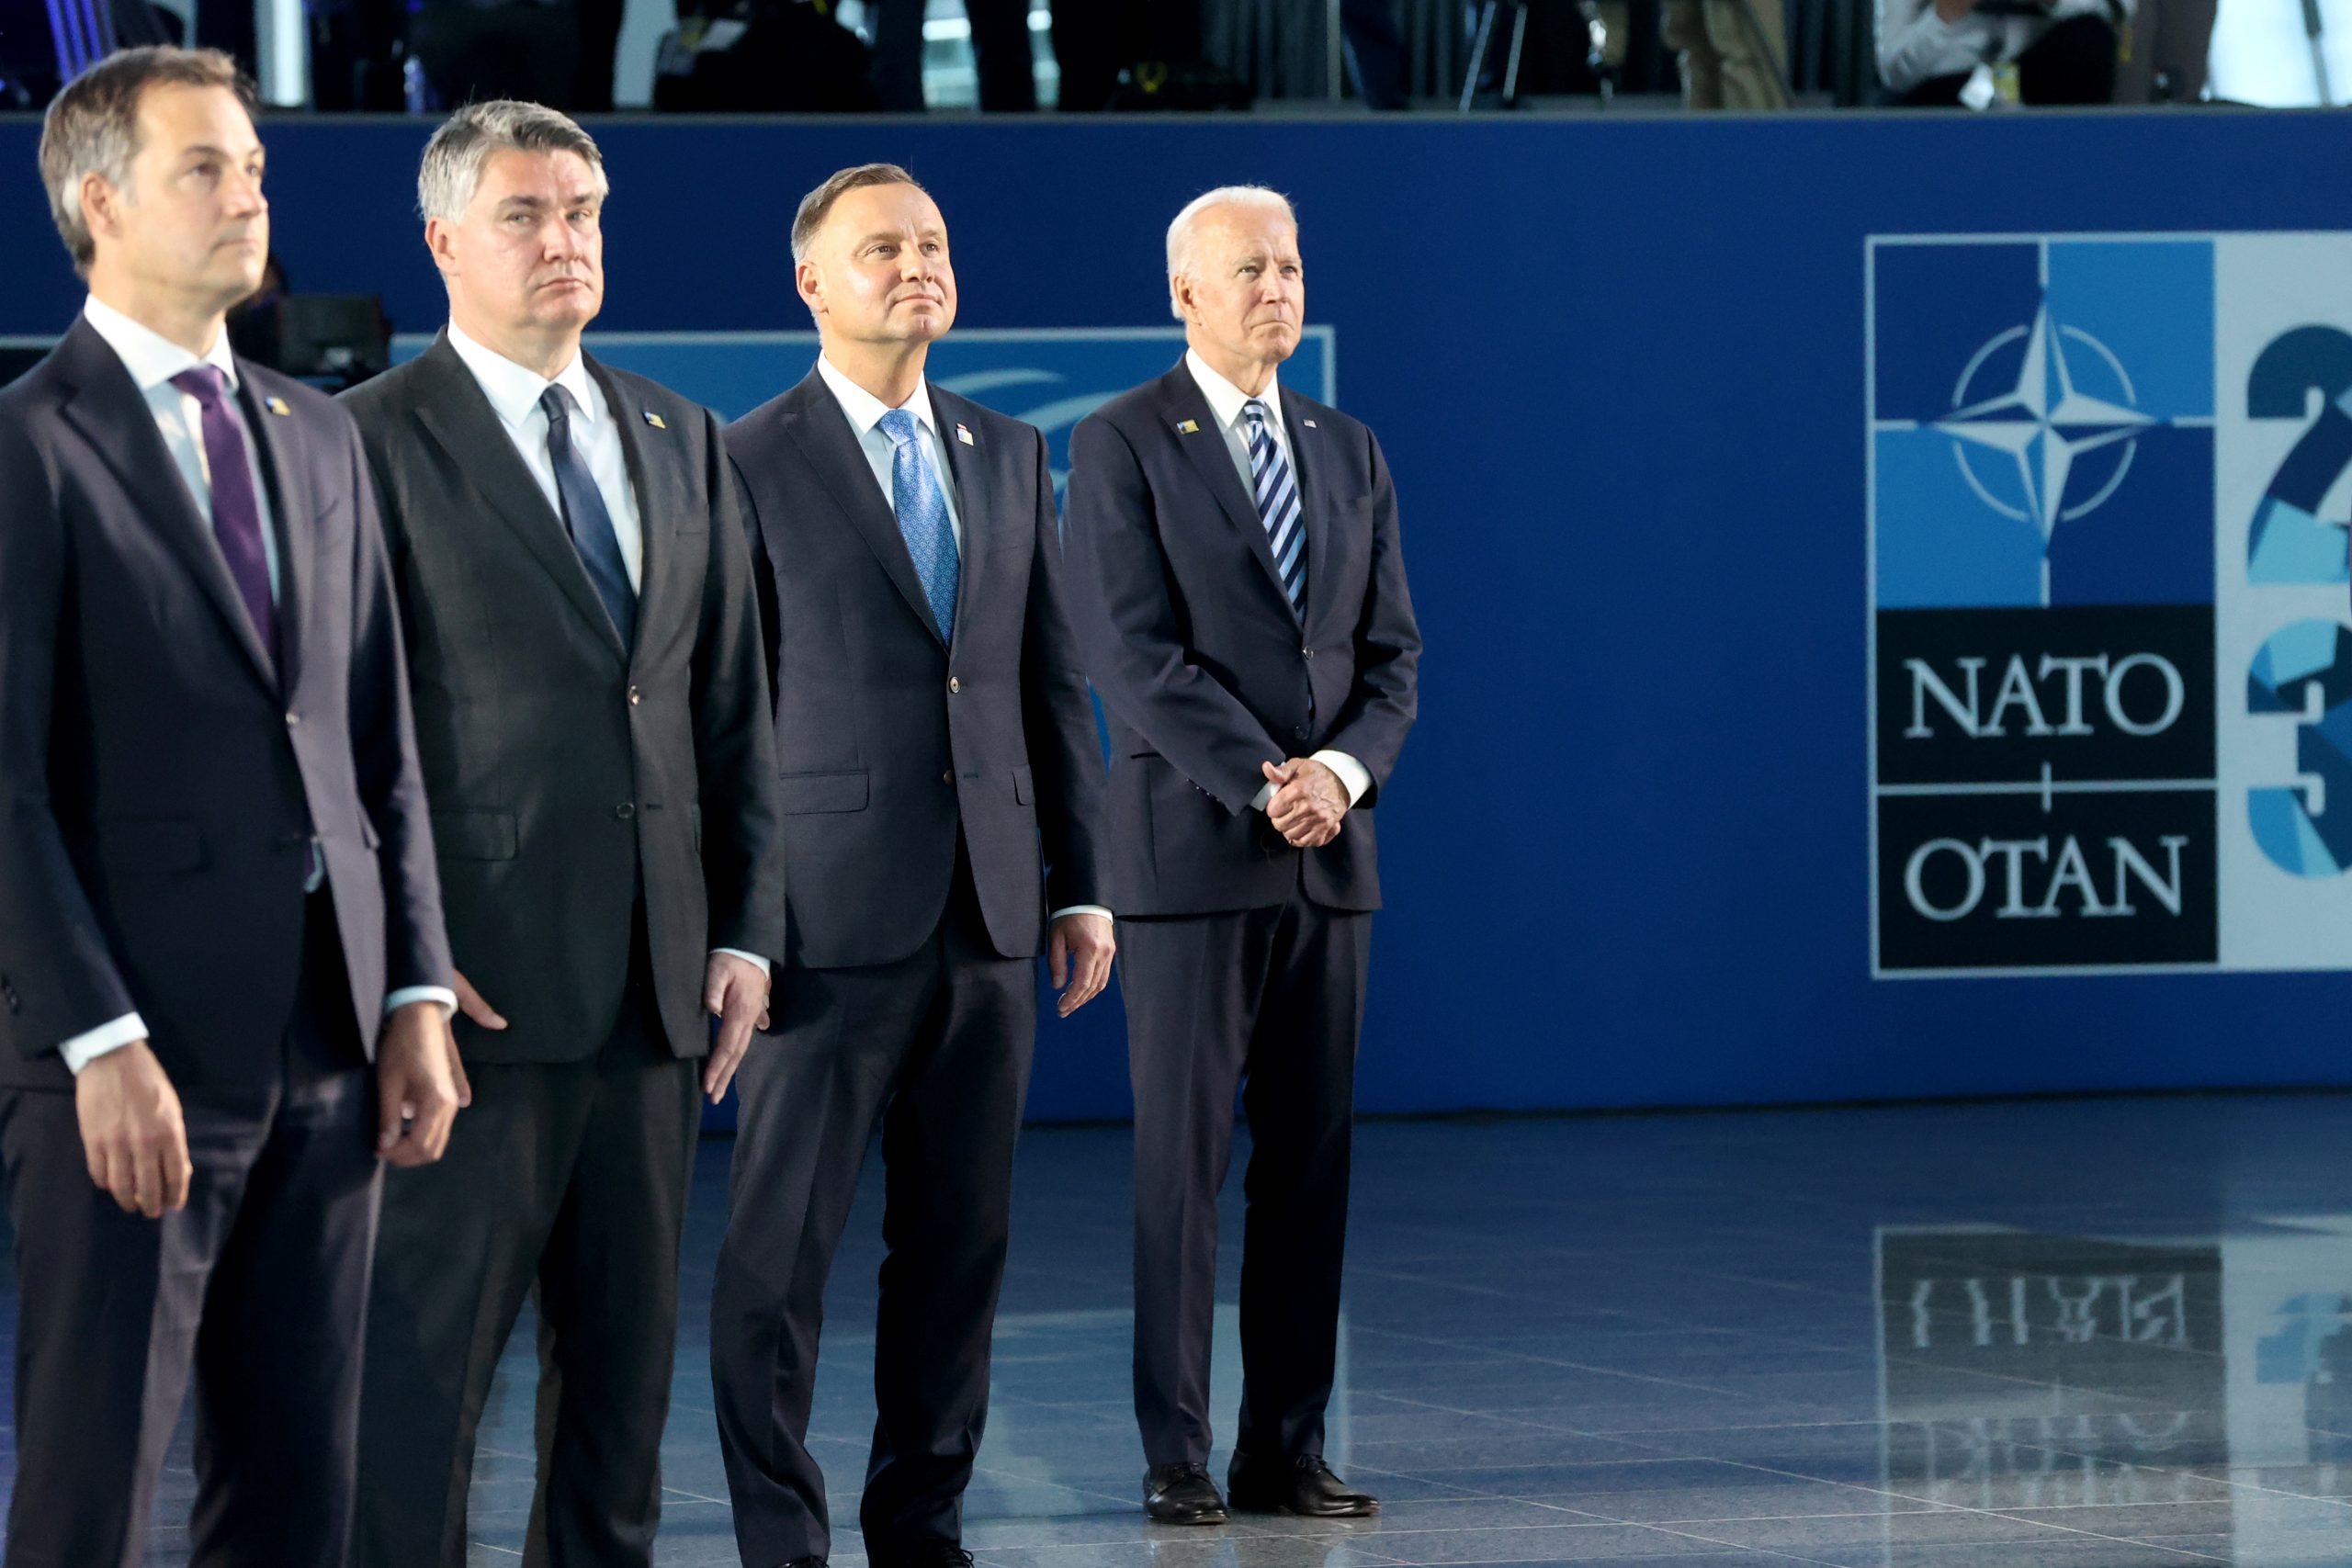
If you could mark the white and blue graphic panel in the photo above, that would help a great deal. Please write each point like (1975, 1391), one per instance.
(2111, 678)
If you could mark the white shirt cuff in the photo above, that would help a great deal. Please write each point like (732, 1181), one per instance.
(746, 957)
(84, 1049)
(1080, 909)
(1351, 772)
(407, 994)
(1352, 776)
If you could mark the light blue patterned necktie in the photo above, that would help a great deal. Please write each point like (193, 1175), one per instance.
(915, 496)
(1278, 508)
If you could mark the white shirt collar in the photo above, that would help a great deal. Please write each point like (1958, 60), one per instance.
(1226, 400)
(152, 358)
(866, 410)
(515, 390)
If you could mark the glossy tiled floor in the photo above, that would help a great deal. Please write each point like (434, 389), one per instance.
(2082, 1335)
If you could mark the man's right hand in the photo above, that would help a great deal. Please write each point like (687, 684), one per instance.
(469, 1002)
(1954, 10)
(133, 1133)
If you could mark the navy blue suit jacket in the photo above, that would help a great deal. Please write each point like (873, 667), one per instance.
(1203, 669)
(891, 740)
(159, 779)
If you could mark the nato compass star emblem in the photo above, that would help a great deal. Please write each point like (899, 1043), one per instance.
(2032, 433)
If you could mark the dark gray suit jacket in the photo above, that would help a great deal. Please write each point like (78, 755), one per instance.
(890, 739)
(159, 779)
(568, 776)
(1202, 666)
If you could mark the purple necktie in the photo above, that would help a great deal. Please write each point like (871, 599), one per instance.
(236, 510)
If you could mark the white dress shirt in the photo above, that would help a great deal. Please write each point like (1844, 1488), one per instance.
(152, 360)
(515, 391)
(1228, 403)
(1916, 45)
(864, 412)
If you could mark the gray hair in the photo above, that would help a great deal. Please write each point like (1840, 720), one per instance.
(818, 203)
(92, 126)
(1180, 232)
(451, 172)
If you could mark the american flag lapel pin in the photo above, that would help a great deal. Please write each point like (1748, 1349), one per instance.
(278, 406)
(656, 420)
(964, 435)
(1188, 427)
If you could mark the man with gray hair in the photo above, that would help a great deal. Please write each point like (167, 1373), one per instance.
(592, 709)
(217, 888)
(1237, 588)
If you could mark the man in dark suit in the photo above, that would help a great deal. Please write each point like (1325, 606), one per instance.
(940, 791)
(592, 709)
(217, 890)
(1239, 590)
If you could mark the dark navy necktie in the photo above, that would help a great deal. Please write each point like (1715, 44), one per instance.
(586, 519)
(236, 508)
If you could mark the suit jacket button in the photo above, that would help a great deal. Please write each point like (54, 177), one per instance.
(625, 810)
(635, 696)
(1309, 653)
(954, 684)
(293, 719)
(1299, 732)
(947, 777)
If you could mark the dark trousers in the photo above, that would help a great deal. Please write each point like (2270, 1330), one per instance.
(565, 1179)
(1007, 68)
(1269, 1000)
(936, 1049)
(2074, 62)
(258, 1287)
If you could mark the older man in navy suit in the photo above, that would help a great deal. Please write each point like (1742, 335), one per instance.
(218, 899)
(1237, 588)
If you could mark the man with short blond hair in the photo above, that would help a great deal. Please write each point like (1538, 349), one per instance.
(218, 899)
(1237, 588)
(591, 710)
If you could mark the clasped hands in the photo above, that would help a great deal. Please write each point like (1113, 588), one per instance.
(1309, 802)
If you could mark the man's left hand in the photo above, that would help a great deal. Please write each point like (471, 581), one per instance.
(736, 992)
(417, 1079)
(1309, 802)
(1079, 959)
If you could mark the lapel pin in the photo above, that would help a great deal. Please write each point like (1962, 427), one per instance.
(964, 435)
(278, 406)
(1188, 427)
(655, 419)
(1309, 423)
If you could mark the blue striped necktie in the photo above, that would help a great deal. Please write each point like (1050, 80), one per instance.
(1278, 508)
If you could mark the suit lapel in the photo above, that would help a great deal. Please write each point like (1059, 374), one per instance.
(823, 433)
(1308, 453)
(652, 474)
(107, 407)
(1205, 445)
(288, 475)
(457, 413)
(969, 470)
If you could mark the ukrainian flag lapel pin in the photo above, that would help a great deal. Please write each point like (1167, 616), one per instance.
(278, 406)
(655, 419)
(964, 435)
(1188, 427)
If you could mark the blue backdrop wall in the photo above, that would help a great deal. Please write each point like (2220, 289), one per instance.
(1619, 371)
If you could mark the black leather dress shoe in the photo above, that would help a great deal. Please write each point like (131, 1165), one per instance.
(924, 1554)
(1182, 1494)
(805, 1563)
(1303, 1486)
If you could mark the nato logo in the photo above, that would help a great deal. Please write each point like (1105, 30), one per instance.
(2041, 523)
(2041, 416)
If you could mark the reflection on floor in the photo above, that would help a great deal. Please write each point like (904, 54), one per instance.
(2101, 1334)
